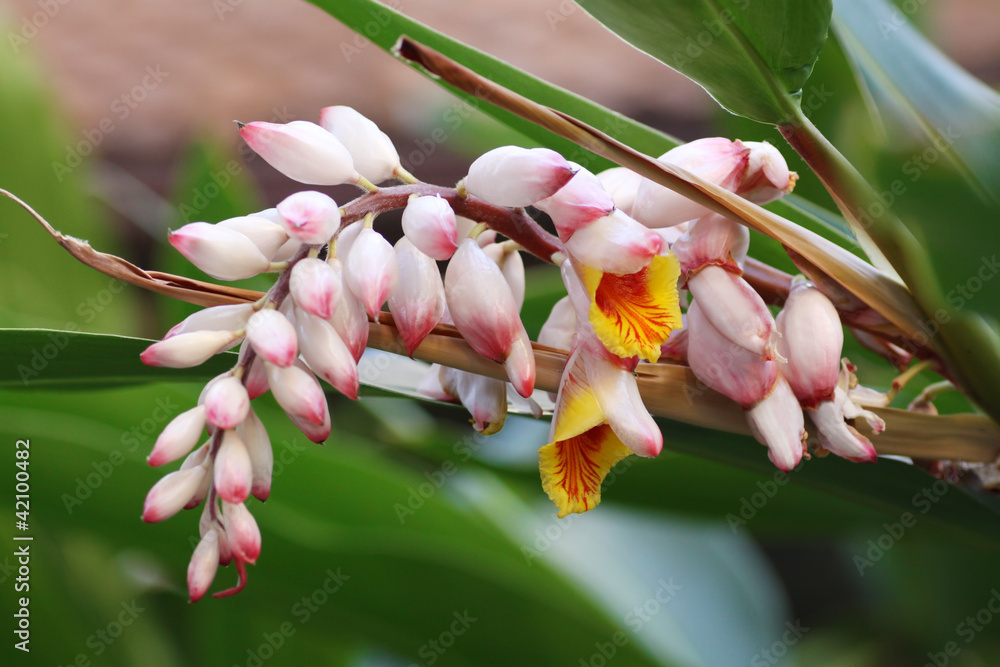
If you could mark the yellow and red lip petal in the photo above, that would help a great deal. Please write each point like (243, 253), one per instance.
(572, 470)
(577, 410)
(634, 314)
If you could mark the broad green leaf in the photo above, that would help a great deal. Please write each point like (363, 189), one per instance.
(752, 57)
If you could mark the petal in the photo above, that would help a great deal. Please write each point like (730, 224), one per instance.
(374, 156)
(777, 422)
(417, 304)
(634, 314)
(572, 470)
(618, 395)
(429, 223)
(812, 340)
(515, 176)
(485, 398)
(735, 310)
(839, 437)
(615, 243)
(371, 271)
(302, 151)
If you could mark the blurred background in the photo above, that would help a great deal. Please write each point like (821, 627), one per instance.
(407, 539)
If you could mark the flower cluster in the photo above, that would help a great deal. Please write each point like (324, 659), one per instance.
(630, 251)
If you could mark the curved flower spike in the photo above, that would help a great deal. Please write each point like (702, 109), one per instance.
(309, 216)
(371, 271)
(222, 253)
(515, 176)
(577, 204)
(302, 151)
(430, 225)
(485, 312)
(418, 302)
(371, 149)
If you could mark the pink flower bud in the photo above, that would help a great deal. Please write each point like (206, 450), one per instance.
(351, 324)
(778, 423)
(266, 234)
(839, 437)
(273, 337)
(812, 340)
(429, 223)
(714, 159)
(226, 403)
(302, 151)
(203, 566)
(615, 244)
(179, 437)
(317, 433)
(298, 392)
(418, 302)
(316, 287)
(623, 185)
(735, 310)
(215, 318)
(374, 156)
(712, 239)
(618, 396)
(258, 445)
(767, 177)
(199, 457)
(485, 312)
(255, 379)
(187, 349)
(222, 253)
(242, 531)
(485, 398)
(559, 329)
(515, 176)
(370, 270)
(327, 355)
(170, 494)
(233, 472)
(577, 204)
(724, 366)
(309, 216)
(512, 267)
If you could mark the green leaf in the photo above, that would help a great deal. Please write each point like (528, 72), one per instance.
(752, 57)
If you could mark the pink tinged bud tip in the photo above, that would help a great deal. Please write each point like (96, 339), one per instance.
(372, 151)
(724, 366)
(216, 318)
(812, 340)
(316, 287)
(317, 433)
(485, 312)
(226, 403)
(515, 176)
(712, 240)
(179, 437)
(622, 184)
(241, 531)
(203, 566)
(273, 337)
(309, 216)
(777, 422)
(172, 493)
(767, 177)
(485, 398)
(268, 235)
(578, 203)
(351, 323)
(371, 271)
(327, 355)
(430, 225)
(187, 349)
(232, 472)
(615, 244)
(255, 379)
(302, 151)
(418, 302)
(735, 310)
(714, 159)
(298, 393)
(838, 436)
(222, 253)
(258, 445)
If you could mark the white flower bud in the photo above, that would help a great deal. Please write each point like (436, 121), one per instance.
(374, 156)
(309, 216)
(222, 253)
(515, 176)
(303, 151)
